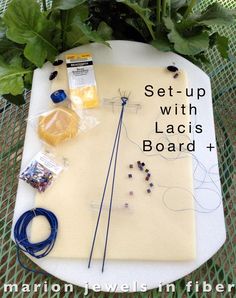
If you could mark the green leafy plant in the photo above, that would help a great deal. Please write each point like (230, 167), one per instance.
(31, 34)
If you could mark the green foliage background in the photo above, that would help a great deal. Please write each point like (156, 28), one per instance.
(30, 36)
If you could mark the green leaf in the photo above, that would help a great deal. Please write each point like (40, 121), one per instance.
(66, 4)
(27, 25)
(144, 13)
(28, 78)
(186, 45)
(71, 16)
(2, 28)
(189, 27)
(177, 4)
(215, 14)
(15, 99)
(104, 31)
(162, 44)
(221, 42)
(139, 26)
(81, 33)
(11, 76)
(75, 30)
(201, 57)
(8, 48)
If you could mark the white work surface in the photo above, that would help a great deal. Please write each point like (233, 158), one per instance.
(210, 227)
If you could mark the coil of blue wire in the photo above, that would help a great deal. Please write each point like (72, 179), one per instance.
(38, 249)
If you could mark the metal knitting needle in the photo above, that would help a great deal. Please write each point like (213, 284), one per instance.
(124, 100)
(102, 201)
(112, 189)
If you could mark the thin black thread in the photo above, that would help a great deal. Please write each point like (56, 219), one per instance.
(180, 155)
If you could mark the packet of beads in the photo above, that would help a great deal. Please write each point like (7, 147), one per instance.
(41, 171)
(81, 79)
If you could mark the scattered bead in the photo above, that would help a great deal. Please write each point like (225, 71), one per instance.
(57, 62)
(146, 170)
(140, 168)
(172, 68)
(176, 75)
(139, 162)
(143, 164)
(147, 178)
(148, 175)
(126, 205)
(148, 190)
(131, 193)
(151, 184)
(53, 75)
(130, 176)
(131, 166)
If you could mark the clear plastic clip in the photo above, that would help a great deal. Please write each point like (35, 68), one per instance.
(115, 104)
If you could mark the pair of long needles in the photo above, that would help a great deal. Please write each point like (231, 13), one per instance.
(114, 156)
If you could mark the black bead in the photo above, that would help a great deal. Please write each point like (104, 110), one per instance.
(53, 75)
(148, 190)
(143, 164)
(172, 68)
(151, 184)
(130, 175)
(148, 175)
(57, 62)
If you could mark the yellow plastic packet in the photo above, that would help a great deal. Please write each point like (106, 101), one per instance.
(58, 125)
(82, 82)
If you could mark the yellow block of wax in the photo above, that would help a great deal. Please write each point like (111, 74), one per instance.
(58, 125)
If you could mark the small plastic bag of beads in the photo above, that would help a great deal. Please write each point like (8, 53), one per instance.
(41, 171)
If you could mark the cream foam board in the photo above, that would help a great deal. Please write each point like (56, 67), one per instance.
(156, 232)
(210, 228)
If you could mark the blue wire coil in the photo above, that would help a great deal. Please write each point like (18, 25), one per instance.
(40, 249)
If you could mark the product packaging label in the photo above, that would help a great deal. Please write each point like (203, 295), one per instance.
(48, 163)
(82, 82)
